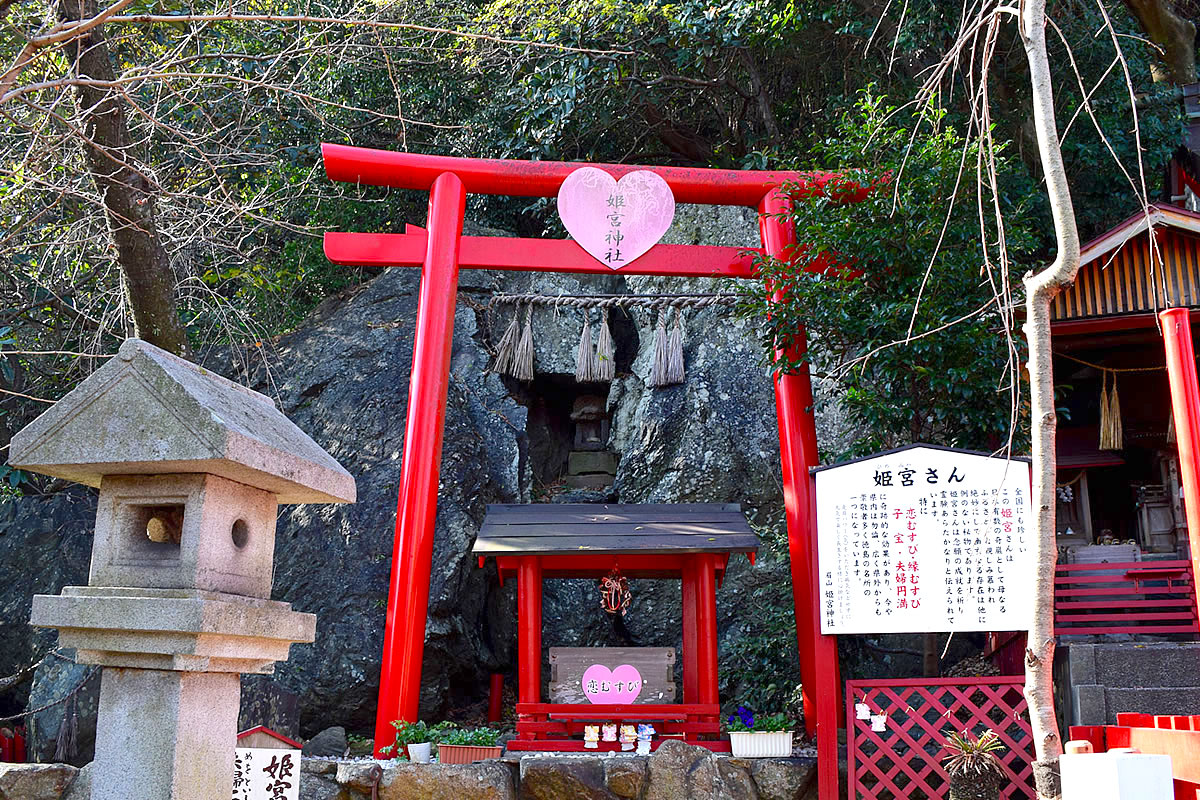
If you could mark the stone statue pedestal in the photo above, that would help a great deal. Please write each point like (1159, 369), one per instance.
(191, 469)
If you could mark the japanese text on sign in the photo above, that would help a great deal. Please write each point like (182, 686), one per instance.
(265, 774)
(924, 539)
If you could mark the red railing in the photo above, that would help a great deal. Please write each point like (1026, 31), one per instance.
(1134, 597)
(556, 726)
(904, 761)
(1176, 736)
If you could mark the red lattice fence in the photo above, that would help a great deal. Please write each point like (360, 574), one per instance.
(904, 762)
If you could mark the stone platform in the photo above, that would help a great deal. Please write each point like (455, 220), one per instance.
(674, 772)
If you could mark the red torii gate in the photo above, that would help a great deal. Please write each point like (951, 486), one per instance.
(440, 250)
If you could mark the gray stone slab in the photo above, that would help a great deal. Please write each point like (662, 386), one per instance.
(1171, 700)
(149, 412)
(580, 462)
(173, 629)
(1089, 705)
(1081, 662)
(1149, 664)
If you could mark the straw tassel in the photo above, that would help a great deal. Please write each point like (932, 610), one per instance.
(1111, 432)
(522, 366)
(605, 368)
(65, 745)
(675, 373)
(506, 349)
(585, 369)
(658, 373)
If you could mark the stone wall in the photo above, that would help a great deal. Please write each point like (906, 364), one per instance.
(673, 772)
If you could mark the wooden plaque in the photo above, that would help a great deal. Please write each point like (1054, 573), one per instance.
(655, 664)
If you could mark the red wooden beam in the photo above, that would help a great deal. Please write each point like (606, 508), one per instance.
(538, 255)
(1185, 406)
(725, 187)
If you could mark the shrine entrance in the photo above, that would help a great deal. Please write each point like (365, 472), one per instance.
(440, 250)
(691, 542)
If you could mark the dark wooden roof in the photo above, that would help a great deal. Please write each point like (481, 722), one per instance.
(552, 529)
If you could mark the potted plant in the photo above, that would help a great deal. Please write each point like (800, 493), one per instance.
(416, 738)
(974, 768)
(767, 736)
(467, 745)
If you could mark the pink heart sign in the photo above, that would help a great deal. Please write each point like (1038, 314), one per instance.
(621, 685)
(615, 221)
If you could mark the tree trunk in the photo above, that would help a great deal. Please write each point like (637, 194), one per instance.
(1174, 34)
(1040, 289)
(128, 198)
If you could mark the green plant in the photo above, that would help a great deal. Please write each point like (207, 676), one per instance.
(972, 757)
(417, 732)
(477, 737)
(744, 721)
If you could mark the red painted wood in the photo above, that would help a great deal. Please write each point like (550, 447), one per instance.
(722, 187)
(690, 635)
(594, 565)
(19, 755)
(1185, 406)
(6, 748)
(539, 255)
(577, 745)
(906, 759)
(676, 710)
(706, 630)
(529, 622)
(412, 553)
(496, 697)
(1129, 597)
(1090, 733)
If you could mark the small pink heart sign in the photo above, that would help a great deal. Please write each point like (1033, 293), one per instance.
(615, 221)
(621, 685)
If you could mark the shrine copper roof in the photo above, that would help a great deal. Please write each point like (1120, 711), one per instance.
(553, 529)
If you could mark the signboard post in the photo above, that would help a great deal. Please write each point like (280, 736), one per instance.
(924, 539)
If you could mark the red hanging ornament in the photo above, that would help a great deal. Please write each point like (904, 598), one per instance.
(614, 592)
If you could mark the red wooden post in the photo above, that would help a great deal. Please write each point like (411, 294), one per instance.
(706, 629)
(1185, 406)
(691, 634)
(496, 697)
(529, 622)
(798, 454)
(416, 512)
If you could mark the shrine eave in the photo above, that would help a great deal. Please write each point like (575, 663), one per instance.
(645, 530)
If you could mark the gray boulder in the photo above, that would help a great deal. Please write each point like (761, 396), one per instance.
(330, 742)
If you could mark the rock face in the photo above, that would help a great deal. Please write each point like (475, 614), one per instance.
(35, 781)
(343, 378)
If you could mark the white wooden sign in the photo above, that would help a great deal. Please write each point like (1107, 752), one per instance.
(924, 539)
(261, 773)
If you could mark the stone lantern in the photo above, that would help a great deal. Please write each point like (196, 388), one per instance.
(191, 468)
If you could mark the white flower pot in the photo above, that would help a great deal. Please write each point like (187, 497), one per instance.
(761, 744)
(419, 753)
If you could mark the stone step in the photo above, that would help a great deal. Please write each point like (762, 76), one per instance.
(581, 462)
(589, 481)
(1147, 664)
(1183, 700)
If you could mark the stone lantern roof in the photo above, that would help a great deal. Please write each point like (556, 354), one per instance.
(147, 412)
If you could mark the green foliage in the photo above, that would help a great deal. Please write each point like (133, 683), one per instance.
(745, 720)
(417, 732)
(479, 737)
(760, 667)
(969, 755)
(908, 302)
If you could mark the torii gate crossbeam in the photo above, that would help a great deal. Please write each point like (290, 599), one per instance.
(440, 250)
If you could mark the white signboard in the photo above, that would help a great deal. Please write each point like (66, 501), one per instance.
(261, 773)
(924, 539)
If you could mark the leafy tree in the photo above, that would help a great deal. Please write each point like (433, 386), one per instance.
(907, 314)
